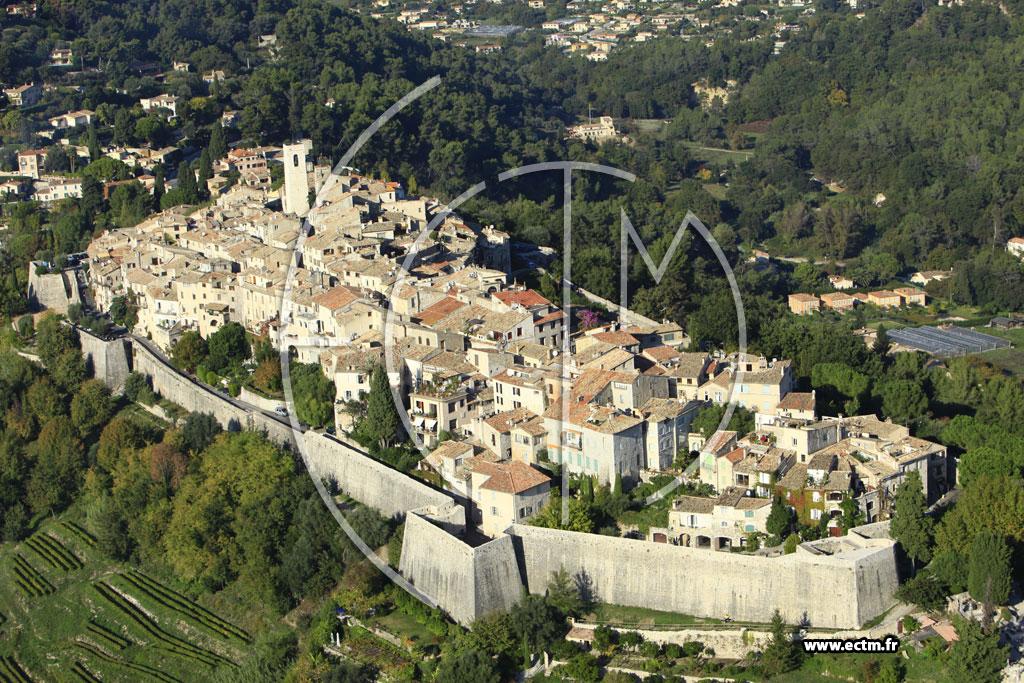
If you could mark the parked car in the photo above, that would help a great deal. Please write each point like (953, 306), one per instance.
(283, 412)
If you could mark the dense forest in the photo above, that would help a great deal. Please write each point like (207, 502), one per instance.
(913, 102)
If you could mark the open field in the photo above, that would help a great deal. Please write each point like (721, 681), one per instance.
(69, 614)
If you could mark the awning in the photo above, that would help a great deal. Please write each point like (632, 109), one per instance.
(431, 424)
(417, 421)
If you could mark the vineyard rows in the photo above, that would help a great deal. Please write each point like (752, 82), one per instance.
(10, 672)
(185, 607)
(124, 664)
(106, 634)
(29, 580)
(79, 533)
(53, 553)
(82, 674)
(170, 643)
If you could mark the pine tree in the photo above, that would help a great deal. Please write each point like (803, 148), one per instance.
(617, 491)
(910, 525)
(781, 653)
(187, 183)
(218, 146)
(382, 423)
(205, 173)
(988, 575)
(976, 656)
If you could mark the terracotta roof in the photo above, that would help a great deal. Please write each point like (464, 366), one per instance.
(511, 477)
(439, 311)
(661, 353)
(522, 297)
(335, 298)
(718, 441)
(694, 504)
(798, 400)
(503, 422)
(616, 338)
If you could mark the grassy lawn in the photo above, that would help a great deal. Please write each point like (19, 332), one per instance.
(847, 667)
(715, 190)
(1010, 360)
(406, 627)
(636, 615)
(45, 633)
(716, 155)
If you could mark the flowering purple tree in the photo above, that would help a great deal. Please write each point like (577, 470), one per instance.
(589, 319)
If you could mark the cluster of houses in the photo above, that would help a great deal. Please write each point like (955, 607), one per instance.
(590, 31)
(479, 358)
(811, 464)
(805, 304)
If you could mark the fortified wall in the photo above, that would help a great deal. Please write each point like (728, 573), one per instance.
(55, 291)
(466, 582)
(834, 583)
(355, 473)
(844, 589)
(111, 361)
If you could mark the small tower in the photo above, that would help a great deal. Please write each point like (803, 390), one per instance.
(295, 194)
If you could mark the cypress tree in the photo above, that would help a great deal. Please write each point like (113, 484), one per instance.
(187, 183)
(881, 345)
(94, 143)
(910, 525)
(382, 423)
(205, 173)
(218, 146)
(988, 574)
(158, 185)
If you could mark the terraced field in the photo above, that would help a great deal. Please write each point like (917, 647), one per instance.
(69, 614)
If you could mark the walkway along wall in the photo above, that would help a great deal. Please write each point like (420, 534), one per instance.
(355, 473)
(844, 590)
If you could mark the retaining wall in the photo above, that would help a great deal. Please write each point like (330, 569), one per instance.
(835, 591)
(252, 398)
(370, 481)
(731, 644)
(466, 582)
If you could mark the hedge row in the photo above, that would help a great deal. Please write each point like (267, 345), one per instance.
(82, 674)
(79, 533)
(106, 634)
(56, 555)
(172, 644)
(29, 580)
(10, 672)
(182, 605)
(124, 664)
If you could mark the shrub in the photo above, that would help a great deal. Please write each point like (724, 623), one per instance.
(791, 543)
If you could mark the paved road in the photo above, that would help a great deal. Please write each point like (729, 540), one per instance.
(223, 395)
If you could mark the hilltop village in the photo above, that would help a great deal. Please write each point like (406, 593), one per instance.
(479, 361)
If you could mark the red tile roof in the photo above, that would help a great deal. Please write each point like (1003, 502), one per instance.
(522, 297)
(510, 477)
